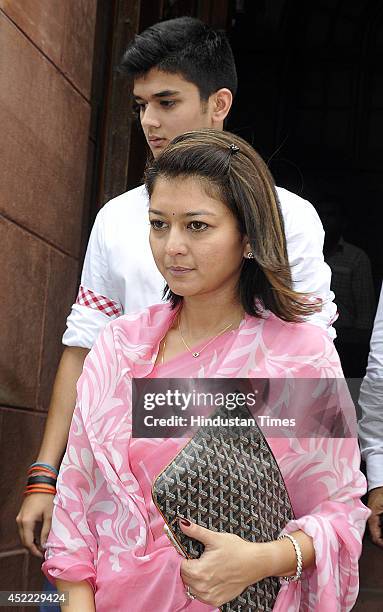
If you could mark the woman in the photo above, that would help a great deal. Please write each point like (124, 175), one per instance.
(217, 237)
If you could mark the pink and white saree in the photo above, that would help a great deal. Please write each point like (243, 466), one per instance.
(105, 527)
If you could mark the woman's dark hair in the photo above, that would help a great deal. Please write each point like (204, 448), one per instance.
(184, 46)
(239, 177)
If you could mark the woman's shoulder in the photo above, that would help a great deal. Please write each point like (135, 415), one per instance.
(127, 344)
(302, 334)
(142, 325)
(304, 342)
(151, 316)
(275, 325)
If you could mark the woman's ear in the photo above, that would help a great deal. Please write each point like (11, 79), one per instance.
(247, 252)
(222, 101)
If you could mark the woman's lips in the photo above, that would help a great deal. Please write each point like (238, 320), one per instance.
(178, 271)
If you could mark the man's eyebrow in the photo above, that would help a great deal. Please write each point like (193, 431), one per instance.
(165, 93)
(160, 94)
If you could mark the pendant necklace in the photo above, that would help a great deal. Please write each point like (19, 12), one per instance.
(196, 354)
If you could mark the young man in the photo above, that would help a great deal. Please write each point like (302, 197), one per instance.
(184, 79)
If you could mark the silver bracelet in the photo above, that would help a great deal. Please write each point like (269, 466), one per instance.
(298, 554)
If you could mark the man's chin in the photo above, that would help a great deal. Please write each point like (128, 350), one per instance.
(156, 151)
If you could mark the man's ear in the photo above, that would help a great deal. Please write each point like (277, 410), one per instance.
(221, 105)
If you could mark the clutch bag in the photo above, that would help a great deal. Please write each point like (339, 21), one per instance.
(226, 479)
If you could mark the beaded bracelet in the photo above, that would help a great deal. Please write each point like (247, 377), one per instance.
(298, 554)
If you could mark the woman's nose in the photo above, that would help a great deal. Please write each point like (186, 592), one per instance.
(176, 244)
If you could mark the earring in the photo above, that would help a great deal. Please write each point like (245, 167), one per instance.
(250, 255)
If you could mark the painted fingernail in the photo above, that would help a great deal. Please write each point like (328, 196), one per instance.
(185, 522)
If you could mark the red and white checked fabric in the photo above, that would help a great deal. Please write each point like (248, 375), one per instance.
(87, 297)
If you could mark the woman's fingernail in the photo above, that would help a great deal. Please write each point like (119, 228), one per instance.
(185, 522)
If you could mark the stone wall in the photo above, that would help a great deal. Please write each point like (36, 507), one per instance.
(46, 150)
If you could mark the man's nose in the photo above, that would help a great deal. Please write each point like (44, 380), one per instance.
(150, 117)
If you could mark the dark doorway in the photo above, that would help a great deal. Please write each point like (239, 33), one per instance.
(310, 100)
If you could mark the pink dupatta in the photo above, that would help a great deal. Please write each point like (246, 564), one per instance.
(105, 528)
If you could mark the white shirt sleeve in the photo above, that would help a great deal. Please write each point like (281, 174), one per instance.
(371, 403)
(310, 274)
(97, 301)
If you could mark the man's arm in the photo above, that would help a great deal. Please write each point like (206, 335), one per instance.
(310, 274)
(38, 507)
(371, 425)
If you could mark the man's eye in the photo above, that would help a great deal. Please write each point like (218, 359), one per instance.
(138, 107)
(157, 224)
(167, 103)
(197, 226)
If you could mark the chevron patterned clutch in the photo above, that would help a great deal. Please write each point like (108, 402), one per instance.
(226, 479)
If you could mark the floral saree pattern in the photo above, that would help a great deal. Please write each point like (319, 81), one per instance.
(106, 529)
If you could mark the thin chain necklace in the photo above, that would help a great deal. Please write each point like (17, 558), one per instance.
(196, 354)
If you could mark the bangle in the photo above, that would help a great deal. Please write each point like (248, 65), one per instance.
(298, 554)
(44, 465)
(39, 488)
(40, 471)
(42, 480)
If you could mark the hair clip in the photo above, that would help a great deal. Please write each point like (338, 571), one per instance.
(233, 148)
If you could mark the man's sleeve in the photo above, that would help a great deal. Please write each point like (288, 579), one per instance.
(371, 403)
(310, 273)
(97, 301)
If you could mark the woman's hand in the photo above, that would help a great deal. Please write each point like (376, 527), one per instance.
(226, 568)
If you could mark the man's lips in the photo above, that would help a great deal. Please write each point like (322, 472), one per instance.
(155, 141)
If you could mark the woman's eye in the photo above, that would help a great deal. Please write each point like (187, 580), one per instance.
(198, 226)
(157, 224)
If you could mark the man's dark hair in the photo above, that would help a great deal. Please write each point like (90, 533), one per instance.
(184, 46)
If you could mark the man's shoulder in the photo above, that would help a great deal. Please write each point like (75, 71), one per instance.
(298, 214)
(290, 200)
(130, 202)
